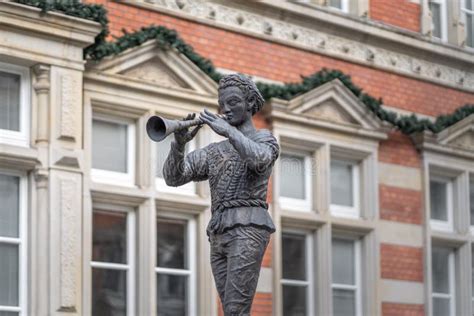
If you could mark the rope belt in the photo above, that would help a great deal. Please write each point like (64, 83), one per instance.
(216, 219)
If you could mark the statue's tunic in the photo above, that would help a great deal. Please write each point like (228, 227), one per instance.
(238, 186)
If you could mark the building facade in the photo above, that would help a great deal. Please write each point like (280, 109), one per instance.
(373, 216)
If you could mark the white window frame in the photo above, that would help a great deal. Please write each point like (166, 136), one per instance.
(304, 205)
(444, 20)
(342, 210)
(452, 286)
(344, 6)
(21, 241)
(470, 202)
(19, 138)
(438, 224)
(192, 255)
(309, 283)
(188, 188)
(128, 267)
(357, 288)
(114, 177)
(464, 13)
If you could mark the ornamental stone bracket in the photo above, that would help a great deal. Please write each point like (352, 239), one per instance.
(242, 19)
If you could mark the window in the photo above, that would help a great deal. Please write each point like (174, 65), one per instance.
(296, 280)
(342, 5)
(14, 104)
(12, 244)
(442, 261)
(344, 188)
(162, 150)
(346, 277)
(441, 201)
(439, 19)
(113, 259)
(295, 181)
(467, 12)
(113, 150)
(175, 271)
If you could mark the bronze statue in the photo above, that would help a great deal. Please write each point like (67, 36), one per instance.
(238, 170)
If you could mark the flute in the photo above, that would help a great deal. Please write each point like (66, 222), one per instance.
(158, 128)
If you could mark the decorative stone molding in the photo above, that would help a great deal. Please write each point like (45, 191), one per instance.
(70, 242)
(42, 89)
(319, 41)
(70, 99)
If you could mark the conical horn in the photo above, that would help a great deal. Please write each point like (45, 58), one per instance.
(158, 128)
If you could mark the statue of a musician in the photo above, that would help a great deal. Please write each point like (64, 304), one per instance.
(238, 170)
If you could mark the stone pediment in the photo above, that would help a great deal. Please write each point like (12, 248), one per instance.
(459, 135)
(333, 102)
(151, 64)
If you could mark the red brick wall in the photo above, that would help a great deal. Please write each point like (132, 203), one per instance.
(401, 262)
(400, 205)
(395, 309)
(280, 62)
(398, 149)
(401, 13)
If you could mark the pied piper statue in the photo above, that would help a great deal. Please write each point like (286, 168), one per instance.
(238, 170)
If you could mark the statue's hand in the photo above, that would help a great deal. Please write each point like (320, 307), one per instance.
(217, 123)
(183, 136)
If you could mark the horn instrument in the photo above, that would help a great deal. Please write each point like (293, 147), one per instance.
(158, 128)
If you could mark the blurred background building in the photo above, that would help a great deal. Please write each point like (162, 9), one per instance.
(374, 214)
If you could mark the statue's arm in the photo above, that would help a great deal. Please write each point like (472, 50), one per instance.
(180, 169)
(257, 154)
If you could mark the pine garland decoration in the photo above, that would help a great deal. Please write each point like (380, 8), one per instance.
(167, 39)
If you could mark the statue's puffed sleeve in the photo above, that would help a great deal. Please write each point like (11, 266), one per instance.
(180, 169)
(259, 152)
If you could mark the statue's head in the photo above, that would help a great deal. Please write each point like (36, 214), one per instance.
(239, 98)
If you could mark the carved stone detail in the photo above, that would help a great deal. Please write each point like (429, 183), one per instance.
(70, 98)
(156, 72)
(465, 140)
(70, 216)
(323, 42)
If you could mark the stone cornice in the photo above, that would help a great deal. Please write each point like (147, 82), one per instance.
(79, 32)
(352, 39)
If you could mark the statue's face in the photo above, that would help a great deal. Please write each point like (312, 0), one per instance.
(234, 106)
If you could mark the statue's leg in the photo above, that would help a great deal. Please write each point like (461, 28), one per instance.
(245, 253)
(218, 264)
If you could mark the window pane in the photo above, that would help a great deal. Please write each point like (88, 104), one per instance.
(171, 295)
(438, 200)
(441, 306)
(469, 30)
(9, 207)
(343, 261)
(109, 146)
(440, 270)
(335, 4)
(436, 19)
(294, 256)
(294, 300)
(9, 101)
(109, 292)
(343, 302)
(162, 150)
(341, 183)
(8, 314)
(172, 245)
(9, 275)
(292, 176)
(471, 199)
(109, 237)
(468, 4)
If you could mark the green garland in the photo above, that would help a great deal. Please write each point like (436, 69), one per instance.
(167, 39)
